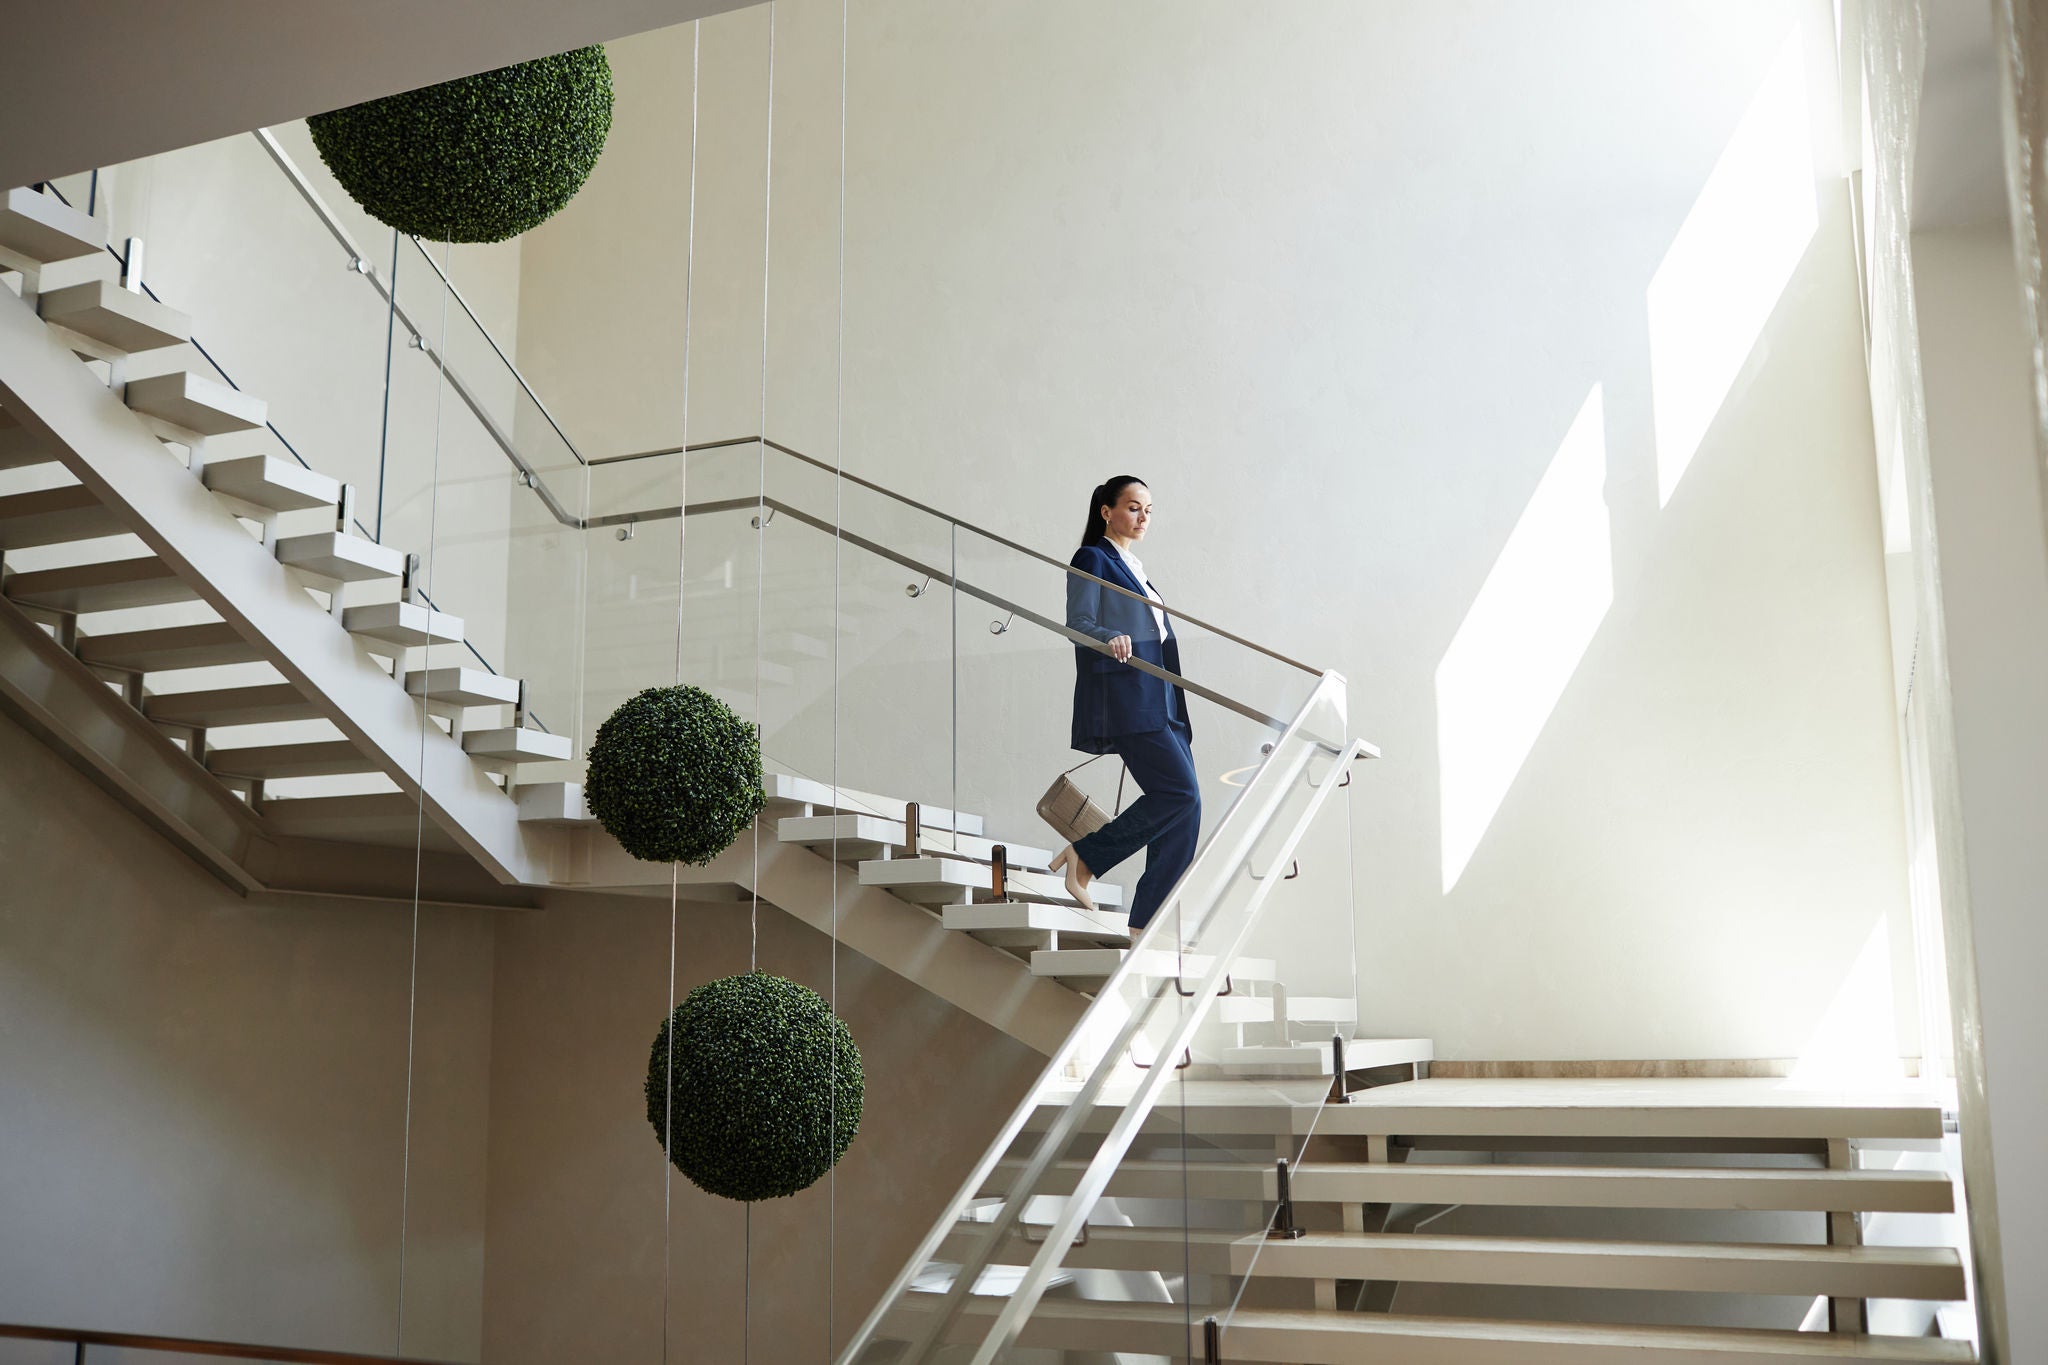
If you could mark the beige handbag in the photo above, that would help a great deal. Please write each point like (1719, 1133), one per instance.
(1070, 811)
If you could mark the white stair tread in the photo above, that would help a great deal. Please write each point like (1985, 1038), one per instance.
(1301, 1009)
(230, 705)
(169, 647)
(1310, 1337)
(857, 837)
(43, 229)
(789, 788)
(1154, 963)
(54, 516)
(996, 916)
(18, 447)
(108, 585)
(333, 554)
(936, 881)
(120, 320)
(554, 803)
(516, 744)
(1314, 1059)
(1731, 1188)
(462, 687)
(196, 403)
(317, 758)
(402, 623)
(267, 481)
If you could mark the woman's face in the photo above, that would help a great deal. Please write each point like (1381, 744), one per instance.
(1130, 514)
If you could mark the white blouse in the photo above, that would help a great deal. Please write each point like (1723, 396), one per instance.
(1137, 569)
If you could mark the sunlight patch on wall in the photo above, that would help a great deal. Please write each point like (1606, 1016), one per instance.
(1855, 1042)
(1732, 258)
(1523, 638)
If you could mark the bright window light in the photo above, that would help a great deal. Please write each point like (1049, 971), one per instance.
(1524, 636)
(1855, 1042)
(1732, 258)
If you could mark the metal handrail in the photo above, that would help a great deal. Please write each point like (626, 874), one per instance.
(197, 1346)
(532, 477)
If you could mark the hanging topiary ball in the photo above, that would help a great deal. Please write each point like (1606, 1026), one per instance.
(765, 1091)
(675, 776)
(478, 159)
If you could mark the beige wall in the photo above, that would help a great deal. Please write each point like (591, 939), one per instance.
(203, 1098)
(1421, 323)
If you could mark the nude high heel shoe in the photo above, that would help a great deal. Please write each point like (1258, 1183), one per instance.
(1069, 865)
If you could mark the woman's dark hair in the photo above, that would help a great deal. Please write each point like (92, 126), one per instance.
(1106, 495)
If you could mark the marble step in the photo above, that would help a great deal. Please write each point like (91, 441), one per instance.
(941, 881)
(195, 403)
(269, 483)
(40, 229)
(112, 320)
(788, 789)
(402, 623)
(1725, 1188)
(1327, 1337)
(340, 557)
(462, 687)
(210, 707)
(516, 744)
(168, 648)
(55, 516)
(1098, 964)
(318, 758)
(1034, 924)
(554, 803)
(1298, 1009)
(108, 585)
(858, 838)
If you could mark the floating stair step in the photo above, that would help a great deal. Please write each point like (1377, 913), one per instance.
(1028, 924)
(1314, 1059)
(402, 623)
(168, 648)
(195, 403)
(553, 803)
(391, 818)
(940, 881)
(462, 687)
(54, 516)
(1300, 1009)
(319, 758)
(1724, 1188)
(516, 744)
(40, 229)
(230, 706)
(109, 585)
(789, 789)
(860, 838)
(268, 482)
(118, 320)
(18, 447)
(339, 556)
(1310, 1337)
(1097, 964)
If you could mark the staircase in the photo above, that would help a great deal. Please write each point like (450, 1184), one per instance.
(1783, 1178)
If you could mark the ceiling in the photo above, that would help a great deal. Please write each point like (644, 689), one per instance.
(1959, 165)
(95, 85)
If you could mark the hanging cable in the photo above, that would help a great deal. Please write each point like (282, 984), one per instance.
(668, 1151)
(419, 832)
(838, 487)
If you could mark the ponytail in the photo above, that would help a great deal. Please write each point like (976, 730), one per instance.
(1105, 495)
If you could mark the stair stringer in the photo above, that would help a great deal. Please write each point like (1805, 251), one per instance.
(87, 427)
(906, 939)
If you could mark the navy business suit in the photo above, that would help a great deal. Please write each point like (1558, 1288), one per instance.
(1143, 720)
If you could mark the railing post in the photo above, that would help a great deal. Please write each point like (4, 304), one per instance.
(1284, 1228)
(1339, 1093)
(1212, 1342)
(999, 872)
(913, 836)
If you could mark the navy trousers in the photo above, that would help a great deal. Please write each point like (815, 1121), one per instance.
(1166, 821)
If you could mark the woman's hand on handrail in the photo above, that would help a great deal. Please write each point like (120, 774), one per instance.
(1120, 648)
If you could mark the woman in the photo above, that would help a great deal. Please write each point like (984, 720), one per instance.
(1119, 709)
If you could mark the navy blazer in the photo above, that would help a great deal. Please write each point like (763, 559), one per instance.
(1111, 698)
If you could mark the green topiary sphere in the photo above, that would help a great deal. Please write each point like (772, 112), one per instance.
(675, 776)
(478, 159)
(766, 1090)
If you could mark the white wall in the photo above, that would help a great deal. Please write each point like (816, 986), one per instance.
(1345, 284)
